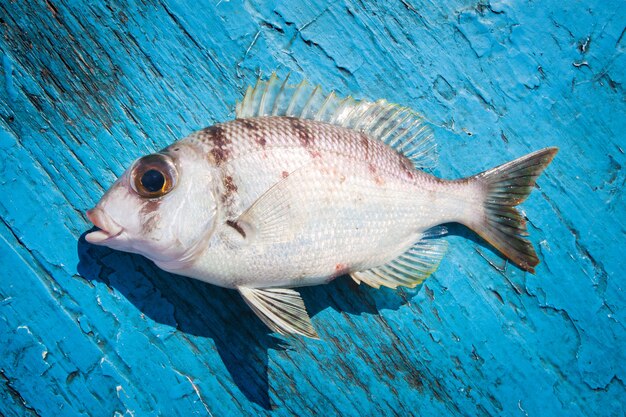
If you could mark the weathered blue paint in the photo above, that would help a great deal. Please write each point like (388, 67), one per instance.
(88, 86)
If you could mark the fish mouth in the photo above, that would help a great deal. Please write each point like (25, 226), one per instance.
(108, 228)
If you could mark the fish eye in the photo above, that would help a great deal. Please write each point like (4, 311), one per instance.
(153, 176)
(153, 180)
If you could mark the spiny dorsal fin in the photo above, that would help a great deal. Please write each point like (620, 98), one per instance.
(397, 126)
(409, 269)
(281, 309)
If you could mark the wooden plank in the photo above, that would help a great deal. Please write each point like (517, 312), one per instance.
(90, 86)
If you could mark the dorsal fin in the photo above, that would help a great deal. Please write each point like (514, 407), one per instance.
(397, 126)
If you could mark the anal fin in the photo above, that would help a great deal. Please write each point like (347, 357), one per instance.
(409, 269)
(282, 310)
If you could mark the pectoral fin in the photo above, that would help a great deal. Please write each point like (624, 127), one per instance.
(277, 214)
(282, 310)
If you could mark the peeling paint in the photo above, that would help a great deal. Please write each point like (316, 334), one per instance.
(90, 86)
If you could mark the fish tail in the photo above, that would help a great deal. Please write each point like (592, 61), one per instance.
(506, 186)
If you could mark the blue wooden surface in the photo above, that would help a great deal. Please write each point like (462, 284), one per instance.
(89, 86)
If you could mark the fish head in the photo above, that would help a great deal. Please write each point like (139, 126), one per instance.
(162, 207)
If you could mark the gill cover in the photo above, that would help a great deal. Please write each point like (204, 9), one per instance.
(162, 207)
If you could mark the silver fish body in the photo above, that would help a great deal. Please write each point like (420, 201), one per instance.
(353, 202)
(302, 188)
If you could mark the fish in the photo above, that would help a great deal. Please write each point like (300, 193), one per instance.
(303, 187)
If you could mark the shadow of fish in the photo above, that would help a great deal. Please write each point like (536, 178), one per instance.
(301, 188)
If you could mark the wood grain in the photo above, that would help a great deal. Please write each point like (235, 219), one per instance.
(89, 86)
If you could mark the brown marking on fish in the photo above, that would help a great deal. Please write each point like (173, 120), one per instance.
(229, 188)
(302, 131)
(221, 143)
(365, 143)
(174, 147)
(149, 212)
(150, 205)
(229, 184)
(305, 135)
(374, 171)
(254, 130)
(249, 124)
(406, 165)
(285, 174)
(342, 178)
(236, 226)
(462, 181)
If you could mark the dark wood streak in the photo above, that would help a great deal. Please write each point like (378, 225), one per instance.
(236, 226)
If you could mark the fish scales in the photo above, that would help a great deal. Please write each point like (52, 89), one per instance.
(346, 168)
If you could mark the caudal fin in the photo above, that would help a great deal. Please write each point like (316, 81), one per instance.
(505, 187)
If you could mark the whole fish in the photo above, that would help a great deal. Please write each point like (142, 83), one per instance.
(301, 188)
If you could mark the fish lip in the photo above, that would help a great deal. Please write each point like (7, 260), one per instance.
(109, 230)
